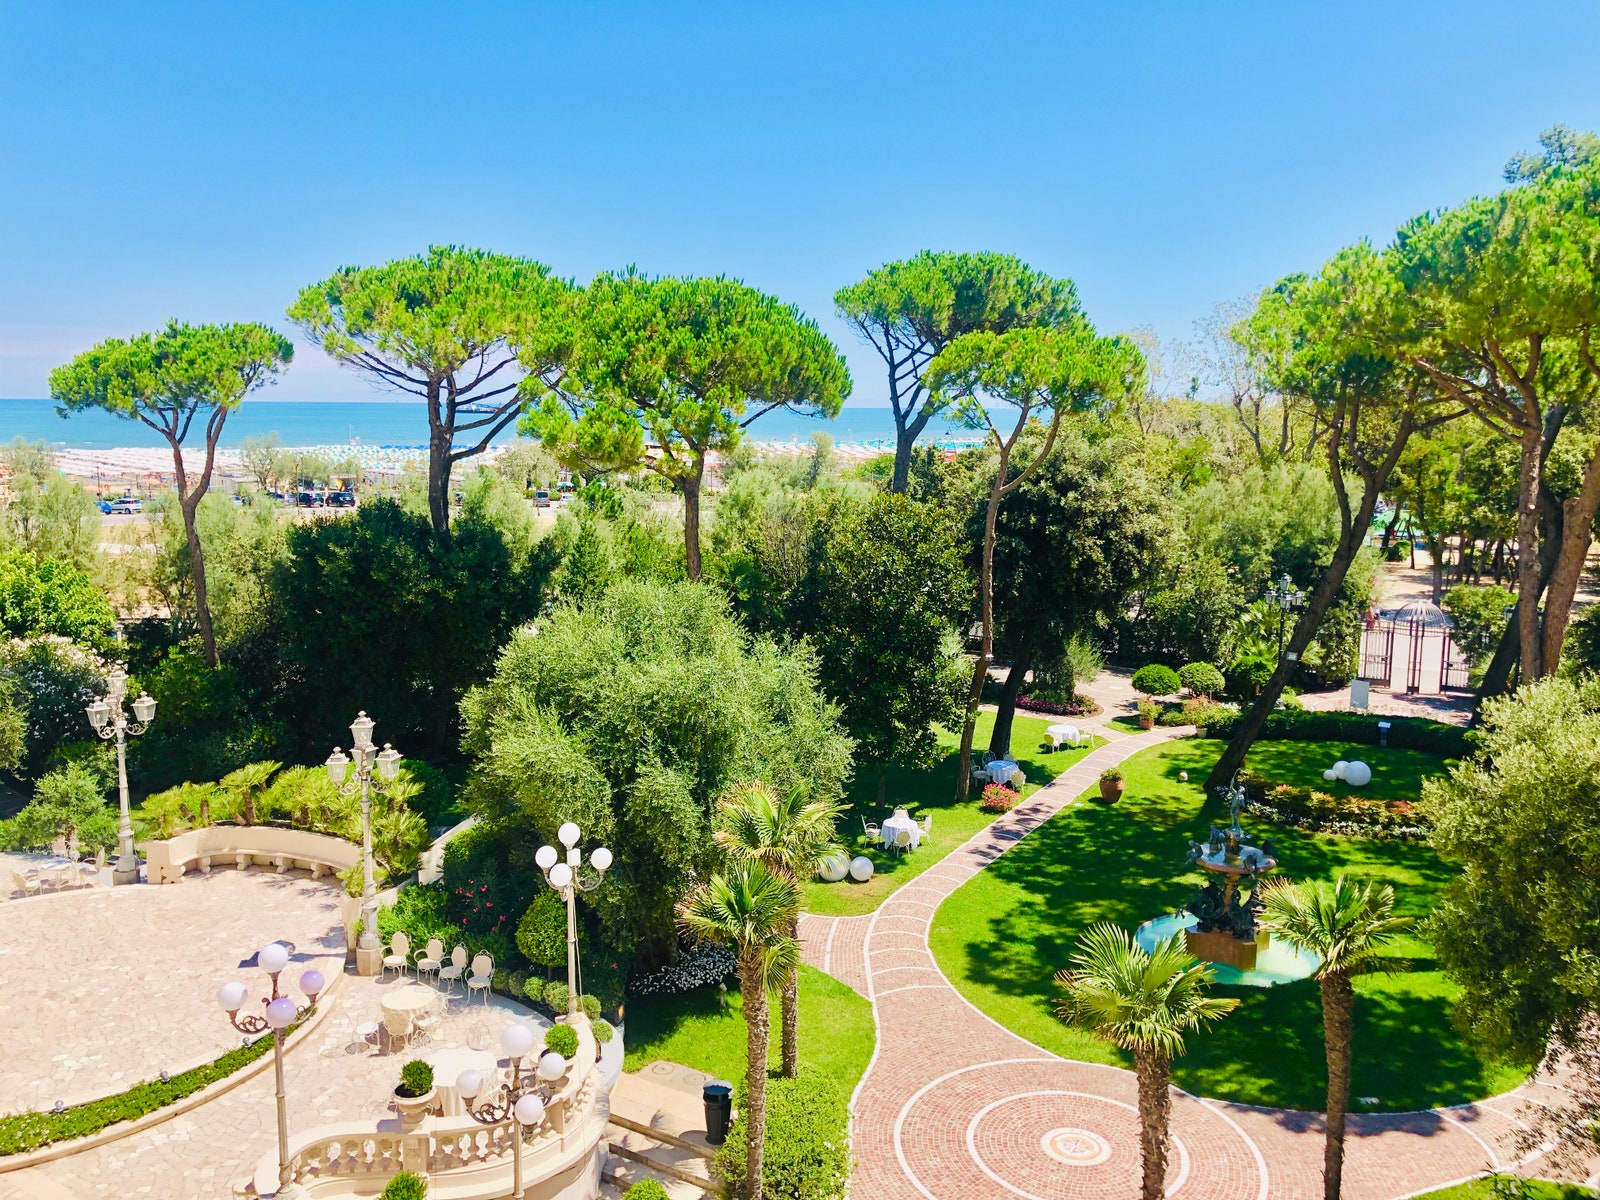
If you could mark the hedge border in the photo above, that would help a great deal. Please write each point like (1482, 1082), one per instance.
(1405, 733)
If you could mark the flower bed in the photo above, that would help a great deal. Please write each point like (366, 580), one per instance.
(1352, 816)
(696, 968)
(998, 798)
(1081, 707)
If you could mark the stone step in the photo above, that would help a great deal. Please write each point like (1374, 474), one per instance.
(659, 1158)
(622, 1173)
(666, 1114)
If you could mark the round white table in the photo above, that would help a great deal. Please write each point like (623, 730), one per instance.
(448, 1063)
(900, 821)
(1002, 770)
(1060, 734)
(405, 1004)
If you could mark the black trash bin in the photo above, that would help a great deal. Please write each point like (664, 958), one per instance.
(718, 1097)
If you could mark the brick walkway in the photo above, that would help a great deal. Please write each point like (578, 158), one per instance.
(954, 1105)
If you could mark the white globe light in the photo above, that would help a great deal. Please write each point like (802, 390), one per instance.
(546, 857)
(530, 1110)
(312, 983)
(281, 1013)
(469, 1083)
(232, 996)
(516, 1041)
(861, 869)
(1339, 769)
(1329, 775)
(600, 860)
(560, 875)
(273, 958)
(1358, 774)
(569, 834)
(551, 1066)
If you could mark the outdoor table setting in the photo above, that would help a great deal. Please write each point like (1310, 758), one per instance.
(449, 1062)
(1061, 734)
(406, 1003)
(901, 820)
(1002, 770)
(58, 870)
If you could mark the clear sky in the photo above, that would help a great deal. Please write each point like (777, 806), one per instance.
(206, 161)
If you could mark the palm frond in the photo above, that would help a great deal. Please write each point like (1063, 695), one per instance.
(1346, 925)
(747, 906)
(790, 834)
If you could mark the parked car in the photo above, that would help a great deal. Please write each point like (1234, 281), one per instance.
(308, 499)
(122, 506)
(341, 499)
(541, 499)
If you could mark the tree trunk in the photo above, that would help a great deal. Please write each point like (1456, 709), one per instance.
(1389, 529)
(1154, 1073)
(197, 562)
(1530, 472)
(904, 440)
(756, 1020)
(1338, 1003)
(791, 1014)
(1577, 530)
(1022, 662)
(980, 671)
(1437, 546)
(689, 485)
(439, 439)
(1497, 677)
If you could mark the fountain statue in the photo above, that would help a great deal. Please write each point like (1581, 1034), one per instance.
(1225, 915)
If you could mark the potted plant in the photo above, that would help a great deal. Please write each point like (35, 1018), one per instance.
(1149, 710)
(562, 1040)
(415, 1094)
(1111, 785)
(405, 1186)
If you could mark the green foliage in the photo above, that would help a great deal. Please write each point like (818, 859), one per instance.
(47, 596)
(646, 1189)
(542, 932)
(562, 1040)
(1480, 614)
(1188, 617)
(1154, 679)
(590, 1006)
(29, 1131)
(603, 1032)
(68, 802)
(1515, 930)
(204, 724)
(557, 995)
(13, 726)
(405, 1186)
(807, 1153)
(629, 716)
(1265, 522)
(1248, 674)
(52, 680)
(48, 516)
(490, 877)
(1202, 679)
(1559, 147)
(416, 1078)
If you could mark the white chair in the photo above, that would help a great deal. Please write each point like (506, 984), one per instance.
(28, 885)
(367, 1033)
(427, 1022)
(398, 1025)
(481, 976)
(873, 832)
(431, 959)
(455, 969)
(927, 825)
(399, 956)
(902, 840)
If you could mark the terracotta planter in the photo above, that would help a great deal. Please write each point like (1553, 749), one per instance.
(413, 1108)
(1147, 722)
(1111, 790)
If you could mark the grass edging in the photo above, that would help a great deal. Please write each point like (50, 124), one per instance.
(119, 1129)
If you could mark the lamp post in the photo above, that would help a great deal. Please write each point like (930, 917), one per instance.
(1284, 597)
(110, 722)
(281, 1012)
(365, 756)
(520, 1101)
(568, 879)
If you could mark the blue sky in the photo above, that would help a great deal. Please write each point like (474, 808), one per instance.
(206, 161)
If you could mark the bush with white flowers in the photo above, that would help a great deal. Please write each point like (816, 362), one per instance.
(697, 968)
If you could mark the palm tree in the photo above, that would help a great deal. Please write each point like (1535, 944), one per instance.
(1144, 1003)
(791, 835)
(1345, 925)
(750, 907)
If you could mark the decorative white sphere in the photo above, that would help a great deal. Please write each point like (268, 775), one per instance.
(600, 860)
(1358, 774)
(516, 1040)
(469, 1083)
(281, 1013)
(560, 875)
(569, 834)
(530, 1109)
(1339, 769)
(861, 869)
(1329, 775)
(551, 1065)
(232, 996)
(546, 857)
(312, 983)
(273, 958)
(834, 868)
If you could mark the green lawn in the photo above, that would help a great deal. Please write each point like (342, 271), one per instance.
(705, 1030)
(931, 791)
(1538, 1189)
(1002, 936)
(1396, 774)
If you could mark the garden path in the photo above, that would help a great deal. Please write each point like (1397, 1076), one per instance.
(954, 1105)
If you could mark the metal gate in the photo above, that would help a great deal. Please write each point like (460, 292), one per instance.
(1453, 670)
(1377, 653)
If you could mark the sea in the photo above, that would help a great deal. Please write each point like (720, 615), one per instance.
(393, 423)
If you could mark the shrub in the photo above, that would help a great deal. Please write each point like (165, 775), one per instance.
(542, 932)
(998, 798)
(517, 984)
(1351, 816)
(1248, 675)
(1203, 713)
(1036, 702)
(808, 1140)
(1405, 733)
(590, 1006)
(1149, 710)
(1111, 775)
(700, 967)
(1201, 678)
(1480, 615)
(405, 1186)
(1155, 679)
(416, 1077)
(646, 1189)
(556, 995)
(604, 1032)
(563, 1039)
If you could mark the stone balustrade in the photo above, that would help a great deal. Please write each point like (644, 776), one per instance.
(244, 845)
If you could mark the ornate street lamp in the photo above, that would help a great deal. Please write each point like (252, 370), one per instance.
(1284, 597)
(569, 879)
(281, 1012)
(520, 1101)
(366, 757)
(109, 721)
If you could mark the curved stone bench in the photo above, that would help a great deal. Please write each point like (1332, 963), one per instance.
(245, 845)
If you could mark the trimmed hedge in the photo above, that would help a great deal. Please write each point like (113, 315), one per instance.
(31, 1130)
(647, 1189)
(1156, 679)
(1405, 733)
(808, 1141)
(405, 1186)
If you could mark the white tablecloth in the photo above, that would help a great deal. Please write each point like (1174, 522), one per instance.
(449, 1062)
(1064, 733)
(1001, 771)
(896, 823)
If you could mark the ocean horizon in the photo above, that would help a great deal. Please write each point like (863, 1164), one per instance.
(378, 422)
